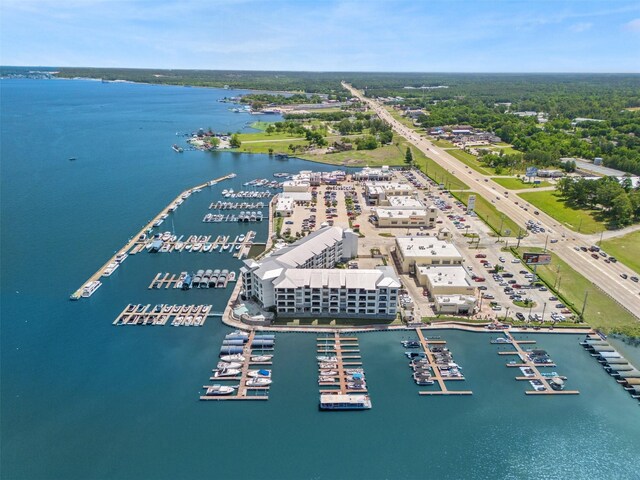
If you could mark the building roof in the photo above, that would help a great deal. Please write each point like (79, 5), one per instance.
(426, 247)
(305, 248)
(404, 201)
(400, 212)
(445, 276)
(381, 187)
(455, 299)
(369, 279)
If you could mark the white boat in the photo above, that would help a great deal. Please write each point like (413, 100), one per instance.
(258, 382)
(179, 246)
(323, 379)
(336, 401)
(188, 247)
(225, 191)
(91, 288)
(225, 247)
(327, 359)
(197, 247)
(259, 373)
(235, 365)
(207, 247)
(328, 373)
(226, 372)
(236, 357)
(109, 269)
(219, 390)
(241, 238)
(261, 358)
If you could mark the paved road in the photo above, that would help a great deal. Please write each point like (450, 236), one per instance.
(606, 276)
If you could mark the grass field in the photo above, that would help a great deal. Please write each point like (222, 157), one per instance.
(626, 249)
(602, 312)
(517, 183)
(584, 221)
(488, 212)
(471, 161)
(441, 143)
(407, 122)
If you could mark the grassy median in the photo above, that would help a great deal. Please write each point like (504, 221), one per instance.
(626, 249)
(491, 216)
(602, 311)
(583, 221)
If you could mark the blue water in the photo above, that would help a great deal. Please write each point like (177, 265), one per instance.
(84, 399)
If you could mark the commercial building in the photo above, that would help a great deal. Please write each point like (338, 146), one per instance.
(413, 252)
(448, 287)
(300, 280)
(404, 217)
(373, 174)
(377, 192)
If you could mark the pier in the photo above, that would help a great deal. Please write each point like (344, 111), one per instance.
(346, 371)
(242, 390)
(136, 238)
(186, 281)
(424, 342)
(159, 315)
(533, 367)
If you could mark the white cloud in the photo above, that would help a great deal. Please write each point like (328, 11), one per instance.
(581, 27)
(633, 25)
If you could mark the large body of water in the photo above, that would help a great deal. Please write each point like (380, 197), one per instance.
(82, 399)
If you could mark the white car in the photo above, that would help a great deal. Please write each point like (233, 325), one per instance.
(502, 259)
(515, 260)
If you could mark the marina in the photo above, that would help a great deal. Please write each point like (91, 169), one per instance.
(432, 350)
(340, 374)
(203, 278)
(161, 314)
(530, 362)
(248, 216)
(242, 360)
(239, 247)
(220, 205)
(122, 254)
(614, 363)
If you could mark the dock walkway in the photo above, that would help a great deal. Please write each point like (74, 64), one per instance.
(242, 391)
(135, 239)
(424, 342)
(159, 315)
(534, 367)
(346, 350)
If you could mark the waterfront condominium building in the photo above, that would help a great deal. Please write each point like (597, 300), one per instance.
(301, 279)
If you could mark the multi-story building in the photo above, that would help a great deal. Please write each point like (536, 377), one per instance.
(300, 280)
(413, 252)
(376, 193)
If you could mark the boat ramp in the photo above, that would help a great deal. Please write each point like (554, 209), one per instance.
(253, 352)
(530, 363)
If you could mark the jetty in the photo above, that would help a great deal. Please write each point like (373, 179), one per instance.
(242, 391)
(530, 368)
(171, 207)
(426, 343)
(341, 367)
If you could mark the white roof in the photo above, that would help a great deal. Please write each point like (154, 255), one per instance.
(337, 278)
(445, 276)
(297, 196)
(305, 248)
(380, 187)
(401, 212)
(455, 299)
(404, 201)
(426, 247)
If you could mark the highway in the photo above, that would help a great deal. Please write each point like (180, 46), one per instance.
(606, 276)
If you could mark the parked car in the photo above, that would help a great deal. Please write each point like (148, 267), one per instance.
(520, 316)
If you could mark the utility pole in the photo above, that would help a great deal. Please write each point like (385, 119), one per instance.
(519, 237)
(545, 244)
(580, 226)
(601, 233)
(543, 310)
(584, 305)
(501, 223)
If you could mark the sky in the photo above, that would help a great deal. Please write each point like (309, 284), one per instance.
(325, 35)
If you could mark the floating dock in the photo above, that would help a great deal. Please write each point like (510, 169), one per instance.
(533, 367)
(242, 391)
(180, 315)
(136, 238)
(347, 359)
(424, 342)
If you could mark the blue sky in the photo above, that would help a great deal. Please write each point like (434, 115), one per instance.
(325, 35)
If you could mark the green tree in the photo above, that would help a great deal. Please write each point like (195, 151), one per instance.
(408, 157)
(270, 129)
(235, 141)
(621, 210)
(214, 142)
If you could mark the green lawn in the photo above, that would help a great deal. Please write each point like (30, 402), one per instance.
(263, 146)
(626, 249)
(441, 143)
(434, 171)
(471, 161)
(584, 221)
(517, 184)
(602, 312)
(407, 122)
(263, 136)
(488, 212)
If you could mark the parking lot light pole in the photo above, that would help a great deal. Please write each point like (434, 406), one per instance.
(543, 310)
(506, 315)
